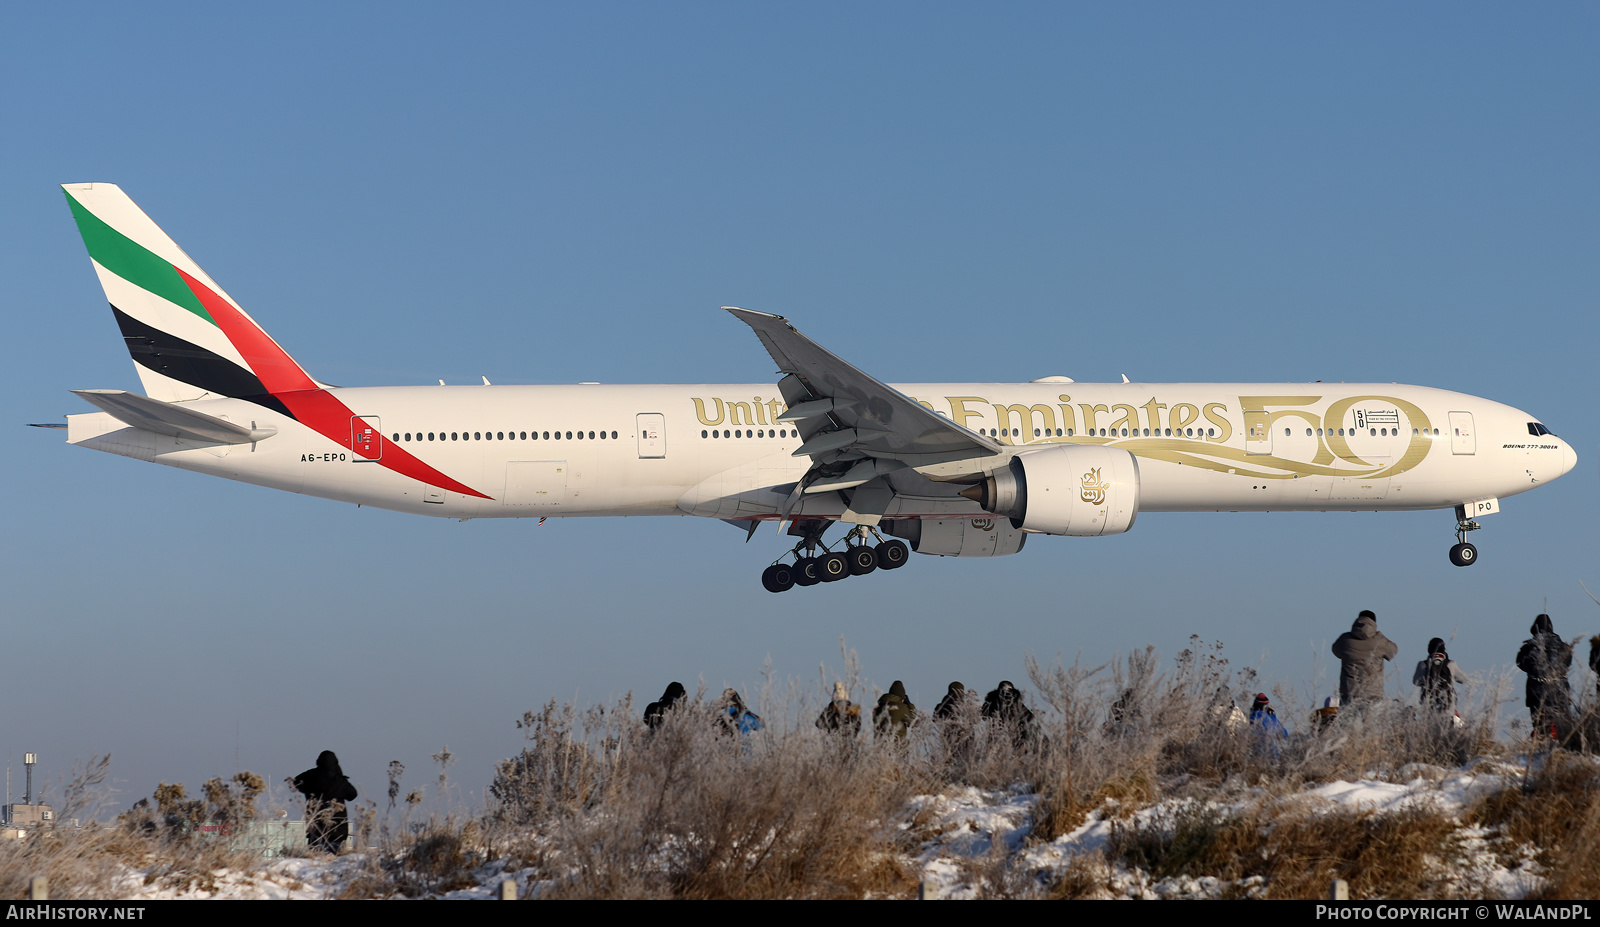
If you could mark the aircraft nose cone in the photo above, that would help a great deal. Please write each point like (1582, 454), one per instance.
(1569, 458)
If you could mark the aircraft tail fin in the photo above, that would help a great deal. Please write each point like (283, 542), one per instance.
(188, 338)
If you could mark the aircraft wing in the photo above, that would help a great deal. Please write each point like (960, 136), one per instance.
(843, 413)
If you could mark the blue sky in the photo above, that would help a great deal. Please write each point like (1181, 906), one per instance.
(549, 194)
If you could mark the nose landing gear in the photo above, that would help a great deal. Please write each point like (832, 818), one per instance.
(857, 559)
(1464, 554)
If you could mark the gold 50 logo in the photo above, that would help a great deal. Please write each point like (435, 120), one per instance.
(1094, 488)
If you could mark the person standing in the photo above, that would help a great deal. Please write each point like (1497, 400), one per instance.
(894, 712)
(1546, 658)
(1437, 676)
(1269, 732)
(1361, 652)
(840, 716)
(326, 790)
(655, 713)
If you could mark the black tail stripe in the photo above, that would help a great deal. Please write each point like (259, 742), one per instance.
(189, 363)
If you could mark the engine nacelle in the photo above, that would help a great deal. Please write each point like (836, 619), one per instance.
(1078, 490)
(958, 537)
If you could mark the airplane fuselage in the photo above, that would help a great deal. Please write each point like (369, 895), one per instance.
(720, 451)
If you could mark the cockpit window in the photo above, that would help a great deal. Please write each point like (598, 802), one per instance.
(1534, 428)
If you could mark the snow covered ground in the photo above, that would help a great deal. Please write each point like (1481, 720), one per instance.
(967, 832)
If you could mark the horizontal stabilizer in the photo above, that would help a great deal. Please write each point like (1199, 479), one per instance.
(171, 419)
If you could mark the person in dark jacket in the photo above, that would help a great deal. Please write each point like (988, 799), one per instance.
(894, 711)
(326, 790)
(1361, 652)
(950, 706)
(840, 715)
(1546, 658)
(1594, 662)
(1004, 704)
(1437, 676)
(655, 713)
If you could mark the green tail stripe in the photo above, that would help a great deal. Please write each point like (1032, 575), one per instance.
(134, 262)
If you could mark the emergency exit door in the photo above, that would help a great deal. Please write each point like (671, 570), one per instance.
(652, 428)
(366, 438)
(1461, 438)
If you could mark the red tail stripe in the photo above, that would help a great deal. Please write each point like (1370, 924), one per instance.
(311, 405)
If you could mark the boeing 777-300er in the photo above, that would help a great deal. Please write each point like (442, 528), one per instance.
(954, 469)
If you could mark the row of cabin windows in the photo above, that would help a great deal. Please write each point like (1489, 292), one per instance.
(1374, 432)
(748, 433)
(1103, 433)
(501, 436)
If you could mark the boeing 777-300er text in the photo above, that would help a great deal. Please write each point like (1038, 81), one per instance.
(955, 469)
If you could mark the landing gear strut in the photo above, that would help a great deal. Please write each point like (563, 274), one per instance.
(1464, 554)
(858, 558)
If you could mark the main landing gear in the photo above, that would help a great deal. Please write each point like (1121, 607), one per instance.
(1464, 554)
(858, 558)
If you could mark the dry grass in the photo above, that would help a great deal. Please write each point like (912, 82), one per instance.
(1555, 811)
(596, 806)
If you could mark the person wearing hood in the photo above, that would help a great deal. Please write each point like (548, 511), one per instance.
(1546, 658)
(894, 711)
(1361, 652)
(950, 706)
(734, 716)
(841, 716)
(326, 790)
(655, 713)
(1004, 704)
(1437, 676)
(1268, 730)
(1594, 662)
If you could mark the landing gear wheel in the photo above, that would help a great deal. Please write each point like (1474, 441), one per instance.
(806, 572)
(833, 567)
(1463, 554)
(863, 560)
(779, 577)
(892, 555)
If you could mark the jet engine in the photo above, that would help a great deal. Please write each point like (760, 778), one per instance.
(1074, 489)
(958, 537)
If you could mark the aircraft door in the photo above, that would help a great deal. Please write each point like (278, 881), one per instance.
(1461, 437)
(366, 438)
(1257, 432)
(652, 435)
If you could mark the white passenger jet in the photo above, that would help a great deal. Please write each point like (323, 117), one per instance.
(955, 469)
